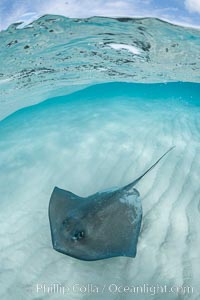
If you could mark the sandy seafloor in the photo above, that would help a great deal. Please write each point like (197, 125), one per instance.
(102, 136)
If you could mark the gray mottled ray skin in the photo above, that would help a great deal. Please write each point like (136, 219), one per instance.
(103, 225)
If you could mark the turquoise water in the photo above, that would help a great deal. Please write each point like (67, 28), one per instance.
(87, 137)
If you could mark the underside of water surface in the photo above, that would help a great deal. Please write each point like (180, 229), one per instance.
(110, 97)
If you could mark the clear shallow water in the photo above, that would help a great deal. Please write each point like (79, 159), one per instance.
(102, 136)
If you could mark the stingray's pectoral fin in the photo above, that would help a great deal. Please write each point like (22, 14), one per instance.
(61, 203)
(132, 253)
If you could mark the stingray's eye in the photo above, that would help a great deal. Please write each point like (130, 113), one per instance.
(78, 235)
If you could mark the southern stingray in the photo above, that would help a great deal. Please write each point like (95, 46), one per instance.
(102, 225)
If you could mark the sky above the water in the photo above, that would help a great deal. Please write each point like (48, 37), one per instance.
(177, 11)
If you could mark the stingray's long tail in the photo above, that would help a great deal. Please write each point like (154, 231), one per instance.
(132, 184)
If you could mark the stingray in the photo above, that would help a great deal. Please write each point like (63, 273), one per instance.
(103, 225)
